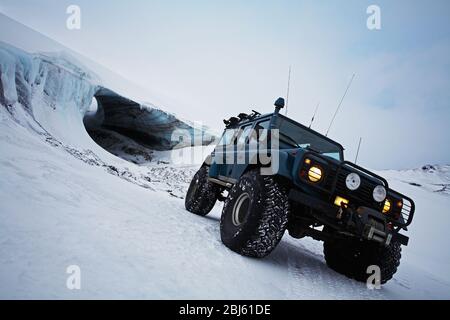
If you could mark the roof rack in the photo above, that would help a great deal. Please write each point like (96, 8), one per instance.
(231, 122)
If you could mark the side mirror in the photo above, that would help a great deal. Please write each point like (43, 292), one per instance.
(279, 104)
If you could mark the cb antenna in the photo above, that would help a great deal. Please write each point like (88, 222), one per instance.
(340, 103)
(357, 152)
(288, 87)
(314, 115)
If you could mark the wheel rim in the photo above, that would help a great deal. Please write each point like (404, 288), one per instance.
(240, 209)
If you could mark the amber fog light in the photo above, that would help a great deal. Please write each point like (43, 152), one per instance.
(387, 206)
(339, 201)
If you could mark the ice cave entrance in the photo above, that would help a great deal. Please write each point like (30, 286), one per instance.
(128, 129)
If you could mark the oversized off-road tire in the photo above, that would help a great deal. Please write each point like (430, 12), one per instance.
(202, 194)
(351, 257)
(255, 215)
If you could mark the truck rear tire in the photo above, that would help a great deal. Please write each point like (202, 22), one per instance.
(255, 215)
(202, 194)
(352, 257)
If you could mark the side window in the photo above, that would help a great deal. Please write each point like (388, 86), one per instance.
(261, 131)
(227, 137)
(244, 134)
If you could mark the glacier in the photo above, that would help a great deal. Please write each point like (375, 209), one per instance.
(56, 91)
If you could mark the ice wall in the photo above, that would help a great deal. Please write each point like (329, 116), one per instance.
(53, 91)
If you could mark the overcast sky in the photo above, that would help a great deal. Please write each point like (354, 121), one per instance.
(216, 59)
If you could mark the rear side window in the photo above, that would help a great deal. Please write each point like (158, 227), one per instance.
(261, 131)
(227, 137)
(245, 131)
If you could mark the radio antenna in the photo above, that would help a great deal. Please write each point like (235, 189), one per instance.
(288, 87)
(314, 115)
(357, 152)
(340, 103)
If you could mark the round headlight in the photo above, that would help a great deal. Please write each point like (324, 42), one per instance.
(314, 174)
(379, 193)
(353, 181)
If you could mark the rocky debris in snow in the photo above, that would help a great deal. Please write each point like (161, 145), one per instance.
(429, 168)
(415, 184)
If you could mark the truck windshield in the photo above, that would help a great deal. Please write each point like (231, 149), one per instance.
(295, 135)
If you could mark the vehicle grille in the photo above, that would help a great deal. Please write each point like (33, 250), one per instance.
(363, 196)
(334, 185)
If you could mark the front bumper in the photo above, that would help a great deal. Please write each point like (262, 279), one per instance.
(362, 222)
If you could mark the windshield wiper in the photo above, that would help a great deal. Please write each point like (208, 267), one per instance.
(312, 149)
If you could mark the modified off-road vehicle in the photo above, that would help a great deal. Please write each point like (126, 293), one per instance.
(308, 189)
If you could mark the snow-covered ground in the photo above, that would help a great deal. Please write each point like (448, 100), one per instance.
(65, 201)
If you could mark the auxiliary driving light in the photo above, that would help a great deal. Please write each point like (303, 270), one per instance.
(339, 201)
(387, 206)
(314, 174)
(379, 193)
(353, 181)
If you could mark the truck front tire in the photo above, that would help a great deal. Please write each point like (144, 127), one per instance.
(352, 257)
(255, 215)
(202, 194)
